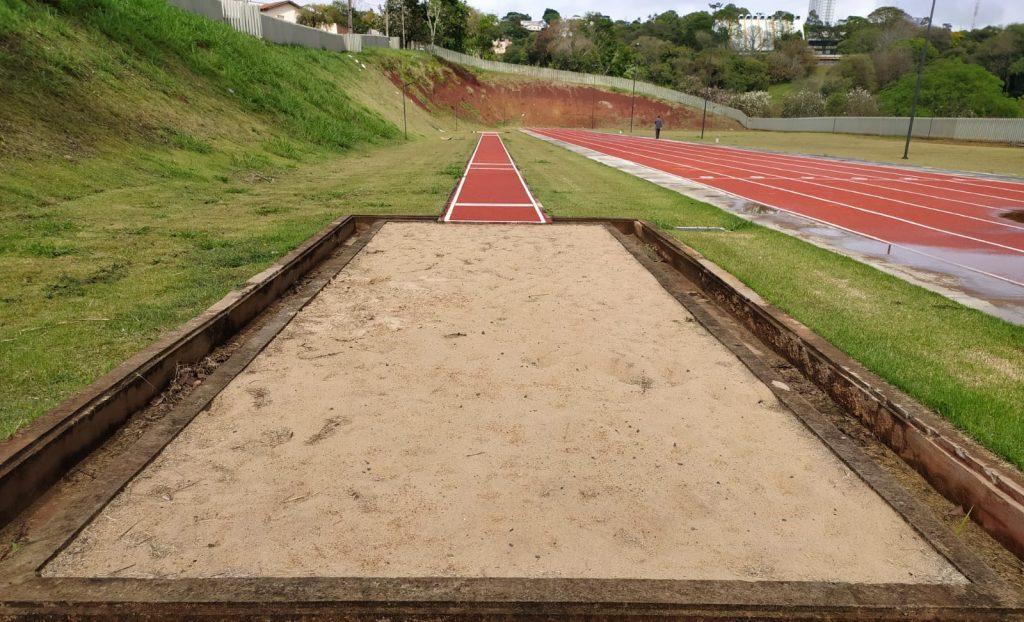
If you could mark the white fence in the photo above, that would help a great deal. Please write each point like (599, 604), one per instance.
(246, 17)
(989, 130)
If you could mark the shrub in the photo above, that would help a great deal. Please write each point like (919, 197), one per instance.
(803, 104)
(752, 103)
(861, 103)
(951, 88)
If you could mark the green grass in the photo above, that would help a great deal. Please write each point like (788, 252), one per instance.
(966, 365)
(120, 267)
(151, 160)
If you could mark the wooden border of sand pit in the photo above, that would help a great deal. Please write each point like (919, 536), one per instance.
(90, 429)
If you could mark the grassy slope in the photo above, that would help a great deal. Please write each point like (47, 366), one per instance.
(142, 176)
(966, 365)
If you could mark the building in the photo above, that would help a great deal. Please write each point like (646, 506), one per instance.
(757, 33)
(535, 25)
(500, 46)
(289, 11)
(825, 9)
(286, 10)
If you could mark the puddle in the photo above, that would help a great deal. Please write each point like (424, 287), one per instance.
(756, 208)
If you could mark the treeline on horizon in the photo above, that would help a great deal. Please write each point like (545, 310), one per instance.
(976, 73)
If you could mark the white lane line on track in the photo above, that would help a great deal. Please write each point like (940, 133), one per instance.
(837, 166)
(745, 159)
(495, 204)
(934, 181)
(744, 168)
(816, 198)
(548, 134)
(462, 182)
(536, 207)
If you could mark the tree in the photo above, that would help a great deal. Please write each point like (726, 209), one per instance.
(515, 54)
(514, 16)
(551, 16)
(951, 88)
(1000, 51)
(434, 8)
(892, 64)
(693, 26)
(511, 27)
(857, 69)
(815, 29)
(888, 15)
(312, 16)
(482, 32)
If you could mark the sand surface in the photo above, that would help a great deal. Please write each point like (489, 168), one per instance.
(513, 401)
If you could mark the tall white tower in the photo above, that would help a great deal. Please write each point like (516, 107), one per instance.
(826, 10)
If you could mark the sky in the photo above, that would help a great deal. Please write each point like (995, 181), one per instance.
(956, 12)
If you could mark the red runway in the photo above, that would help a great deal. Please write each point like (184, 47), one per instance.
(492, 190)
(959, 220)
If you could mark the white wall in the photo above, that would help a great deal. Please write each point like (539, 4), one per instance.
(287, 12)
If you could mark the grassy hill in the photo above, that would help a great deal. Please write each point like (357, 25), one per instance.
(151, 160)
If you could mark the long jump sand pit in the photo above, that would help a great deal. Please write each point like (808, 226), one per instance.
(499, 401)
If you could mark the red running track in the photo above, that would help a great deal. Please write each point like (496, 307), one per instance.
(492, 190)
(956, 219)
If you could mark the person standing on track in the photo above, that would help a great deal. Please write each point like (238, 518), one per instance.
(657, 127)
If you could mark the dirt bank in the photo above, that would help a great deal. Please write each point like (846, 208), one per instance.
(521, 102)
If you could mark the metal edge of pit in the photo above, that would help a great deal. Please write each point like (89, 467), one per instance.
(963, 471)
(41, 453)
(28, 594)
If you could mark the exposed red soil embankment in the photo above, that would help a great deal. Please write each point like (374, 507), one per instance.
(549, 104)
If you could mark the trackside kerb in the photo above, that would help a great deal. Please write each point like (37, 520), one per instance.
(492, 189)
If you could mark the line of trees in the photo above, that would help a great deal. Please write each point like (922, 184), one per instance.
(967, 73)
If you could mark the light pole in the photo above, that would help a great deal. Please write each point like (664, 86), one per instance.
(705, 115)
(632, 105)
(917, 88)
(405, 123)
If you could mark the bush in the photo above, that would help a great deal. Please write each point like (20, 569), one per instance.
(861, 103)
(752, 103)
(803, 104)
(951, 88)
(857, 69)
(835, 104)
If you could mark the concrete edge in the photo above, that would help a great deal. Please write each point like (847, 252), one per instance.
(959, 468)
